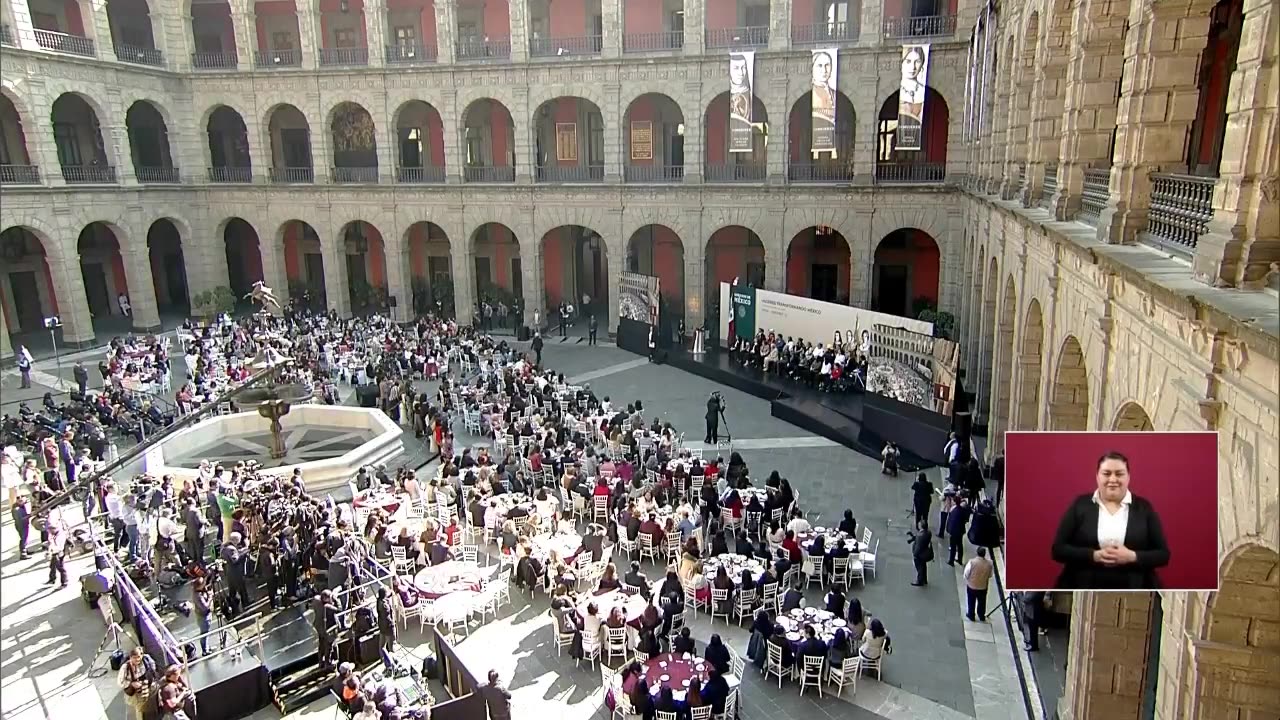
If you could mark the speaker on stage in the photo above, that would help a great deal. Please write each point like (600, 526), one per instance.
(523, 334)
(392, 302)
(367, 395)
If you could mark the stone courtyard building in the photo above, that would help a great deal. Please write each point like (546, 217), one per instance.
(1094, 200)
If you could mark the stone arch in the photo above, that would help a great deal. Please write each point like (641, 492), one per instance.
(353, 137)
(18, 139)
(586, 122)
(427, 252)
(419, 140)
(906, 272)
(243, 249)
(363, 251)
(149, 143)
(502, 269)
(1069, 402)
(290, 161)
(721, 165)
(732, 252)
(819, 265)
(227, 144)
(804, 130)
(488, 141)
(658, 250)
(668, 130)
(1001, 384)
(1132, 417)
(27, 285)
(1026, 414)
(304, 263)
(165, 253)
(933, 147)
(575, 261)
(101, 247)
(86, 158)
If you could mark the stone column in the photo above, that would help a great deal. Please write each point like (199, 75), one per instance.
(777, 149)
(375, 32)
(205, 257)
(1093, 80)
(1107, 656)
(694, 127)
(172, 32)
(446, 30)
(612, 13)
(399, 284)
(1023, 68)
(1156, 113)
(73, 305)
(614, 151)
(775, 249)
(1241, 243)
(115, 141)
(519, 30)
(274, 269)
(695, 277)
(309, 39)
(523, 134)
(98, 27)
(17, 14)
(1001, 118)
(142, 288)
(6, 347)
(695, 30)
(244, 23)
(462, 260)
(871, 20)
(860, 258)
(1047, 106)
(779, 25)
(337, 293)
(616, 248)
(531, 273)
(451, 134)
(320, 135)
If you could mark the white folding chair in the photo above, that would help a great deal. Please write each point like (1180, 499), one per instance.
(773, 664)
(744, 605)
(720, 605)
(622, 708)
(869, 558)
(668, 715)
(469, 553)
(702, 712)
(840, 572)
(673, 550)
(615, 643)
(728, 520)
(730, 706)
(563, 639)
(737, 666)
(865, 664)
(646, 547)
(400, 562)
(811, 673)
(866, 535)
(600, 509)
(590, 650)
(691, 599)
(769, 597)
(846, 673)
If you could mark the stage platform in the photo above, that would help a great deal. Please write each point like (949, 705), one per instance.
(863, 422)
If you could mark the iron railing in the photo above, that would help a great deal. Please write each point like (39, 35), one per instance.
(64, 43)
(139, 55)
(1181, 208)
(735, 173)
(219, 60)
(738, 37)
(910, 173)
(86, 174)
(1094, 194)
(819, 33)
(819, 173)
(6, 37)
(660, 41)
(159, 174)
(19, 175)
(288, 175)
(488, 174)
(230, 174)
(267, 59)
(569, 173)
(1049, 185)
(897, 28)
(420, 175)
(653, 173)
(345, 175)
(476, 49)
(344, 56)
(560, 47)
(410, 54)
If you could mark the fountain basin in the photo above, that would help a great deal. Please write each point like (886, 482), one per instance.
(329, 443)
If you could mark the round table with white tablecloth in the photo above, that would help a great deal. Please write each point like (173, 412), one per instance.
(438, 581)
(390, 502)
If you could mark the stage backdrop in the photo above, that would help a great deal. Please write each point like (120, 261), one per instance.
(638, 298)
(1176, 472)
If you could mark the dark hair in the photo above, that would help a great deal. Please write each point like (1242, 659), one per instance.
(1113, 455)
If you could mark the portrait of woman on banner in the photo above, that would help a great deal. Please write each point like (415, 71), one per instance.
(740, 95)
(911, 89)
(824, 92)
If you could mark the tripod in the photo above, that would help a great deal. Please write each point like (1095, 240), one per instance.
(728, 433)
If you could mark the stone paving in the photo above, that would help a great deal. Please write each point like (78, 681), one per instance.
(940, 665)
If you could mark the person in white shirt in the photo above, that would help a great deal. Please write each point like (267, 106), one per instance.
(57, 547)
(799, 525)
(168, 534)
(874, 641)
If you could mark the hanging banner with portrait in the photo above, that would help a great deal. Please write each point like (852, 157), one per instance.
(741, 100)
(823, 101)
(911, 92)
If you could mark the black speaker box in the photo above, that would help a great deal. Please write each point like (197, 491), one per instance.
(368, 396)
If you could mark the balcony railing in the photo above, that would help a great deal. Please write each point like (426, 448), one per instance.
(64, 43)
(353, 175)
(267, 59)
(1181, 208)
(570, 173)
(643, 42)
(821, 33)
(6, 37)
(924, 26)
(477, 50)
(230, 174)
(819, 173)
(219, 60)
(1093, 196)
(561, 47)
(86, 174)
(730, 173)
(1049, 186)
(910, 173)
(19, 175)
(738, 37)
(420, 175)
(353, 56)
(151, 175)
(488, 174)
(653, 173)
(287, 175)
(139, 55)
(411, 54)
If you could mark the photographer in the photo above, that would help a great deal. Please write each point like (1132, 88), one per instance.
(136, 678)
(715, 407)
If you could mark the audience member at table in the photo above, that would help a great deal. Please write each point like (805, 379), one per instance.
(782, 563)
(690, 561)
(768, 577)
(508, 537)
(839, 649)
(848, 525)
(776, 534)
(593, 542)
(637, 579)
(719, 538)
(651, 527)
(717, 654)
(723, 582)
(589, 630)
(792, 548)
(818, 547)
(529, 570)
(687, 524)
(841, 550)
(798, 523)
(715, 692)
(761, 631)
(641, 702)
(857, 619)
(617, 617)
(670, 585)
(666, 701)
(609, 579)
(779, 639)
(672, 606)
(875, 641)
(684, 642)
(834, 602)
(812, 646)
(650, 618)
(786, 495)
(648, 643)
(794, 597)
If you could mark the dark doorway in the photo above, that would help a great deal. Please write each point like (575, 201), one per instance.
(891, 296)
(356, 271)
(297, 147)
(825, 283)
(517, 279)
(314, 268)
(175, 273)
(484, 278)
(95, 289)
(26, 300)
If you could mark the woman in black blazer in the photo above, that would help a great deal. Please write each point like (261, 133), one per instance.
(1110, 539)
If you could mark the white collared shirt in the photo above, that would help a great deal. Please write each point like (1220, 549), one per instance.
(1112, 528)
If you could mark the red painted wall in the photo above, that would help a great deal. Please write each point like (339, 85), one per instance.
(804, 12)
(331, 9)
(435, 139)
(271, 8)
(122, 281)
(565, 110)
(75, 23)
(721, 14)
(642, 108)
(717, 126)
(208, 17)
(498, 243)
(731, 252)
(639, 16)
(936, 119)
(292, 253)
(497, 19)
(377, 263)
(427, 18)
(418, 252)
(668, 262)
(555, 261)
(568, 18)
(802, 255)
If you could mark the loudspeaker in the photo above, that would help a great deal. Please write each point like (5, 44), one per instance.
(368, 396)
(523, 334)
(391, 301)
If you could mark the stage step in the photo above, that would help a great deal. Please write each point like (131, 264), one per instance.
(300, 688)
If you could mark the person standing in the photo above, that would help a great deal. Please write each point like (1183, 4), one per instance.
(57, 547)
(24, 365)
(324, 620)
(922, 498)
(564, 320)
(126, 309)
(21, 512)
(386, 621)
(193, 531)
(496, 697)
(537, 347)
(81, 376)
(136, 678)
(957, 524)
(1032, 615)
(236, 557)
(592, 326)
(997, 476)
(202, 607)
(713, 420)
(921, 552)
(977, 576)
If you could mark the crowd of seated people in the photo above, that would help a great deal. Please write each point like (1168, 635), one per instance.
(838, 367)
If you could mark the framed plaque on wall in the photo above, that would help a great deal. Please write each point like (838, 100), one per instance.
(567, 142)
(641, 140)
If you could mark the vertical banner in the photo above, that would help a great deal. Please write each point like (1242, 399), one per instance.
(741, 100)
(823, 100)
(744, 311)
(915, 77)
